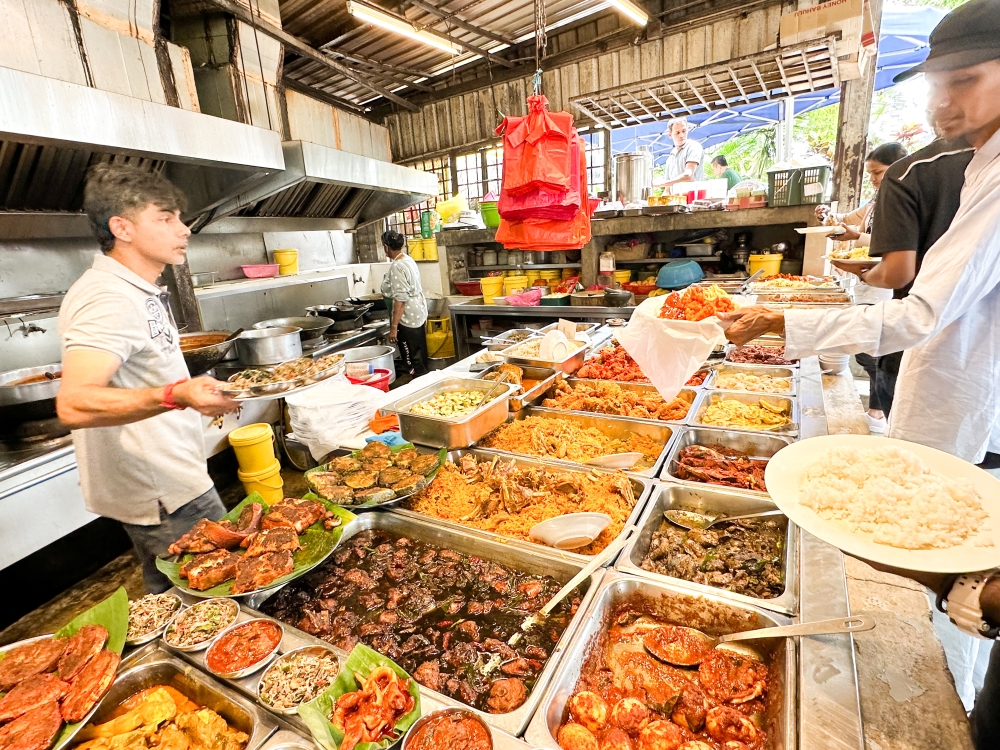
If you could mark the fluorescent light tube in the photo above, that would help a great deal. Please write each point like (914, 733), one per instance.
(631, 10)
(399, 26)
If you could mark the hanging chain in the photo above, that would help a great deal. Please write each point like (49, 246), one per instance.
(541, 42)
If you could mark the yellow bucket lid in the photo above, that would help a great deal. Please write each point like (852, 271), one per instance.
(251, 434)
(252, 476)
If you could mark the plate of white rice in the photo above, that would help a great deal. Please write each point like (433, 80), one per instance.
(890, 501)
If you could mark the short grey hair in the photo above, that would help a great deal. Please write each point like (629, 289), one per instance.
(675, 121)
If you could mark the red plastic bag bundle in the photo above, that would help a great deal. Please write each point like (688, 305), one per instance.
(537, 149)
(547, 203)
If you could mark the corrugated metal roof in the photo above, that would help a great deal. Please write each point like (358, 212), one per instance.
(393, 61)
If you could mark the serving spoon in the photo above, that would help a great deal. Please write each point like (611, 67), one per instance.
(688, 519)
(615, 460)
(670, 649)
(570, 531)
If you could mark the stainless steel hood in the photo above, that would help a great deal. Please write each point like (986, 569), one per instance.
(322, 188)
(51, 131)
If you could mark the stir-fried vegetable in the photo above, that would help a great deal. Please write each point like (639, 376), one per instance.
(298, 678)
(201, 622)
(455, 404)
(150, 613)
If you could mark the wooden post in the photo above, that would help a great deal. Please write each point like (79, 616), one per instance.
(852, 130)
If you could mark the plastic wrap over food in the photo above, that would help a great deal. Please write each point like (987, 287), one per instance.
(669, 351)
(332, 414)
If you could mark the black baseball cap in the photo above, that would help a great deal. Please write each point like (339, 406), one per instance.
(967, 36)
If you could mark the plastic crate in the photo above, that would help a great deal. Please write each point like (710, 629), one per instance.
(815, 176)
(784, 187)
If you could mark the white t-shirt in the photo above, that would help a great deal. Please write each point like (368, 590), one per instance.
(128, 472)
(402, 283)
(679, 158)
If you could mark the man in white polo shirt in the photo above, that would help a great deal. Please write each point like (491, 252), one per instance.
(125, 390)
(684, 163)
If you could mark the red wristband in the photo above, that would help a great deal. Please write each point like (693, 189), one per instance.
(168, 396)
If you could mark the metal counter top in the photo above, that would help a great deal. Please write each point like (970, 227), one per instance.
(570, 312)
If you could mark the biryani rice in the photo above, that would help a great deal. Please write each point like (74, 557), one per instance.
(890, 494)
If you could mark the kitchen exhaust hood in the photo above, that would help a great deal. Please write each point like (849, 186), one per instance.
(321, 188)
(52, 131)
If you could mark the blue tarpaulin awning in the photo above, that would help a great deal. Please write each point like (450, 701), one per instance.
(902, 44)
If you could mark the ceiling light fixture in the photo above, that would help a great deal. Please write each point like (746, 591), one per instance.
(631, 10)
(399, 26)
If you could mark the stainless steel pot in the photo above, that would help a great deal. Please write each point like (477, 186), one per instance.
(36, 390)
(313, 326)
(269, 346)
(380, 357)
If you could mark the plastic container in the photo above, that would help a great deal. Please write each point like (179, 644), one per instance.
(261, 271)
(770, 264)
(679, 274)
(815, 184)
(490, 257)
(417, 249)
(254, 446)
(380, 380)
(288, 261)
(561, 299)
(492, 286)
(623, 277)
(440, 343)
(491, 217)
(784, 187)
(469, 288)
(268, 482)
(430, 249)
(514, 284)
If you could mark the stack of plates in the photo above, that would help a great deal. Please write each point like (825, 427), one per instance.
(834, 363)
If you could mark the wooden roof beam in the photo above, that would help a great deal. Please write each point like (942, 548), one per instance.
(462, 24)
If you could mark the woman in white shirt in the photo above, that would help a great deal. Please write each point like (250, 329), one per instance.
(409, 308)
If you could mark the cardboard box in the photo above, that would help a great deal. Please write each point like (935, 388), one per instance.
(851, 20)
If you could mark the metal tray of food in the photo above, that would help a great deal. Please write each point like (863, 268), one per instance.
(791, 373)
(520, 398)
(498, 740)
(676, 605)
(158, 667)
(458, 432)
(688, 394)
(711, 499)
(587, 328)
(533, 562)
(760, 445)
(613, 427)
(501, 342)
(730, 348)
(642, 488)
(788, 403)
(569, 364)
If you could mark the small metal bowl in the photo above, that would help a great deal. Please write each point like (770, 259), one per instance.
(157, 632)
(317, 650)
(260, 664)
(464, 712)
(201, 645)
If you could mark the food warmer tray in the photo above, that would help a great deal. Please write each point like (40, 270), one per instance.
(756, 444)
(701, 500)
(459, 432)
(688, 394)
(501, 342)
(792, 373)
(794, 366)
(546, 377)
(430, 531)
(642, 488)
(569, 364)
(156, 664)
(707, 398)
(613, 427)
(711, 612)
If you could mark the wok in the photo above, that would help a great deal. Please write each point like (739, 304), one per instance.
(377, 301)
(203, 350)
(28, 402)
(339, 311)
(313, 326)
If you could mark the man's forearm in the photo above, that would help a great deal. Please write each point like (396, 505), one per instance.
(103, 406)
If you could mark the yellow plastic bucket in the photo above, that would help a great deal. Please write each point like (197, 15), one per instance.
(623, 277)
(416, 248)
(254, 447)
(492, 287)
(288, 261)
(268, 482)
(512, 284)
(430, 249)
(770, 264)
(440, 343)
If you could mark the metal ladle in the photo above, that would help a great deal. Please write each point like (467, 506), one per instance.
(688, 519)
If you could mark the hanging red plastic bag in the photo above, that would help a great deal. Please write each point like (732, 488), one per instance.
(545, 203)
(536, 149)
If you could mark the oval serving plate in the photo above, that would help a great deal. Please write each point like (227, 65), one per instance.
(157, 632)
(257, 665)
(317, 650)
(201, 645)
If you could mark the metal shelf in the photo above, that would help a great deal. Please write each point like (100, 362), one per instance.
(648, 261)
(526, 267)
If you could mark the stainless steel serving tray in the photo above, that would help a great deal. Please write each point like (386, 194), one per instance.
(569, 364)
(709, 612)
(587, 328)
(459, 432)
(642, 488)
(703, 499)
(707, 398)
(501, 342)
(755, 444)
(688, 394)
(156, 666)
(433, 532)
(613, 427)
(792, 373)
(758, 342)
(545, 376)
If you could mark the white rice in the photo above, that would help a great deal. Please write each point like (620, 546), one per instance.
(890, 494)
